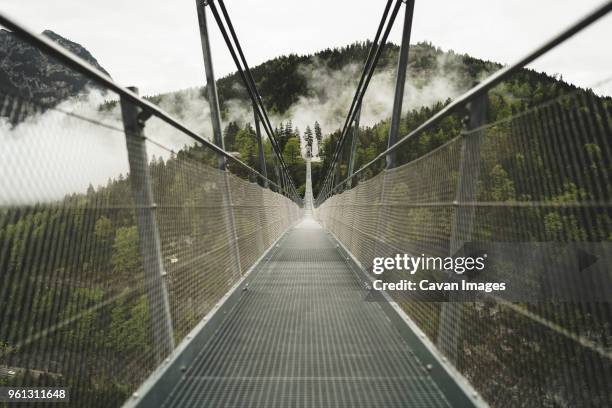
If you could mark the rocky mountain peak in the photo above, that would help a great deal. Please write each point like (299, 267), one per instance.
(28, 75)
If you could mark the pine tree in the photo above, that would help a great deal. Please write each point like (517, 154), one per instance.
(282, 136)
(229, 136)
(317, 131)
(309, 139)
(318, 135)
(247, 145)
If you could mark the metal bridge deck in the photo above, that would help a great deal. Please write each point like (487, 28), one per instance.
(305, 336)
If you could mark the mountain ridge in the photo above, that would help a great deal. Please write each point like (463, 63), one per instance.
(30, 75)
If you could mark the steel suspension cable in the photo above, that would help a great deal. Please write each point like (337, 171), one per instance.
(250, 82)
(244, 62)
(252, 96)
(367, 73)
(368, 61)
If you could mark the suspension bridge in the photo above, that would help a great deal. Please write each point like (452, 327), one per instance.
(243, 293)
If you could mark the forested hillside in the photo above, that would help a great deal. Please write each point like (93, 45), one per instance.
(527, 89)
(291, 85)
(287, 81)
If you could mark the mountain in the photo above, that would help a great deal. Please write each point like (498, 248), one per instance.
(298, 90)
(318, 87)
(30, 75)
(324, 75)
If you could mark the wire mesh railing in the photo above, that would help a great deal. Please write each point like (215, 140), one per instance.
(521, 177)
(531, 191)
(116, 238)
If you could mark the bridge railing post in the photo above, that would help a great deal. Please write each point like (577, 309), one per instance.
(462, 223)
(211, 85)
(279, 180)
(351, 165)
(215, 117)
(262, 157)
(148, 232)
(338, 176)
(400, 81)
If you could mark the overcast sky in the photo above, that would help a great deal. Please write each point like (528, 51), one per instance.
(155, 44)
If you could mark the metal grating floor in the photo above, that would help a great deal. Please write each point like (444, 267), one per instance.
(304, 336)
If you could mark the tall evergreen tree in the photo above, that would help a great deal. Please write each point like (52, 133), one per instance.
(289, 129)
(247, 145)
(280, 136)
(229, 136)
(308, 137)
(318, 134)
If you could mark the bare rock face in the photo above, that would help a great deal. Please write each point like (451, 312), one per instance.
(32, 77)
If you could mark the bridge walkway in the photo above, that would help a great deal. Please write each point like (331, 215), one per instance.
(304, 335)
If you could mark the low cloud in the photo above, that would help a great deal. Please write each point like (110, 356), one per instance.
(331, 92)
(58, 152)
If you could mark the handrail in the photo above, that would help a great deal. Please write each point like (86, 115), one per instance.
(78, 64)
(490, 82)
